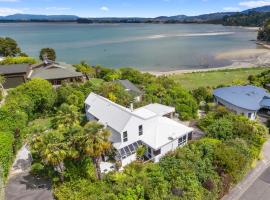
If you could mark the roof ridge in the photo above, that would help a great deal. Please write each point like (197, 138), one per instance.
(124, 108)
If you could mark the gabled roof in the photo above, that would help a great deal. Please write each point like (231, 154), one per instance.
(54, 71)
(247, 97)
(159, 129)
(108, 112)
(130, 86)
(14, 69)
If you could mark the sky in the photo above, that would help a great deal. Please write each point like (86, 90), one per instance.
(125, 8)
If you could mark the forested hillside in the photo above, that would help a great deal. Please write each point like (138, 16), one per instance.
(252, 19)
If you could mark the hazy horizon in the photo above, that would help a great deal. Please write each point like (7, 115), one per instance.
(125, 8)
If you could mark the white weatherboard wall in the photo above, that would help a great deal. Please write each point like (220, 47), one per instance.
(238, 110)
(169, 147)
(128, 160)
(132, 129)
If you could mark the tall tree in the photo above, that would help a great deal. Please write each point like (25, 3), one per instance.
(86, 69)
(9, 47)
(53, 150)
(47, 53)
(95, 143)
(264, 32)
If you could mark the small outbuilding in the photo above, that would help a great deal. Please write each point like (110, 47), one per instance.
(14, 75)
(244, 100)
(132, 89)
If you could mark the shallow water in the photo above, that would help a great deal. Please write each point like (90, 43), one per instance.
(156, 47)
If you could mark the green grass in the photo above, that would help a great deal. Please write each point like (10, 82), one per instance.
(214, 78)
(96, 81)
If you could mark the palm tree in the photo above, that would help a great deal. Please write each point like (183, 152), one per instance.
(140, 152)
(67, 116)
(55, 154)
(95, 143)
(52, 149)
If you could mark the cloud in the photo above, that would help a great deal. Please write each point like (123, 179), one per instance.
(231, 9)
(254, 4)
(104, 8)
(9, 11)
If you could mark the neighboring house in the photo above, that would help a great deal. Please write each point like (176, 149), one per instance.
(245, 100)
(14, 74)
(149, 125)
(56, 73)
(132, 89)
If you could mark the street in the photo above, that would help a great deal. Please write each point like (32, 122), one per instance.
(260, 189)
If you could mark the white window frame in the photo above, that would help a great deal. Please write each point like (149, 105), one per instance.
(125, 138)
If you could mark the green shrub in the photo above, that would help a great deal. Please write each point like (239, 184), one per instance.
(37, 168)
(18, 60)
(41, 92)
(12, 121)
(6, 151)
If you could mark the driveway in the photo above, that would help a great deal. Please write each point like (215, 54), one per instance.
(24, 186)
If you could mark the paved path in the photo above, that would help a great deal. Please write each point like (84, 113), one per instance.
(256, 182)
(24, 186)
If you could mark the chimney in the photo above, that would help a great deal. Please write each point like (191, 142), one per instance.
(131, 107)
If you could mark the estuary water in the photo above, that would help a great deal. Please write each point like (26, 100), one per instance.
(155, 47)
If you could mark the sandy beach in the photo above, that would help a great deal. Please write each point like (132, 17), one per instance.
(245, 58)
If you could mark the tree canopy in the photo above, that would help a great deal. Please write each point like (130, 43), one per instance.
(9, 47)
(264, 32)
(48, 53)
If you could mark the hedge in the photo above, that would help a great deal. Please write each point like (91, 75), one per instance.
(6, 153)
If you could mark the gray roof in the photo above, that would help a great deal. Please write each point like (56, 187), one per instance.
(129, 86)
(54, 71)
(247, 97)
(14, 69)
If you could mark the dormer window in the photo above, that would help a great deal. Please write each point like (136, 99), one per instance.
(125, 136)
(140, 130)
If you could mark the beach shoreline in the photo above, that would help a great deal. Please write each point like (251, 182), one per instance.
(246, 58)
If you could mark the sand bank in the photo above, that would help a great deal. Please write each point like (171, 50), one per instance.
(245, 58)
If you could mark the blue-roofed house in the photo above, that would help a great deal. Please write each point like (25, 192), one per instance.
(245, 100)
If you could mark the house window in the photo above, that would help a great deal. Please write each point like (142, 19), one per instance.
(125, 136)
(149, 152)
(182, 140)
(249, 115)
(157, 152)
(140, 130)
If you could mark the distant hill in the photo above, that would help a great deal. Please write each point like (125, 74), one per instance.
(199, 18)
(259, 9)
(250, 17)
(29, 17)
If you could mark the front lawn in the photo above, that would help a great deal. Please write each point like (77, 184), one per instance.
(214, 78)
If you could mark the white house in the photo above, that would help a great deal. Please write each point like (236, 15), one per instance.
(149, 125)
(244, 100)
